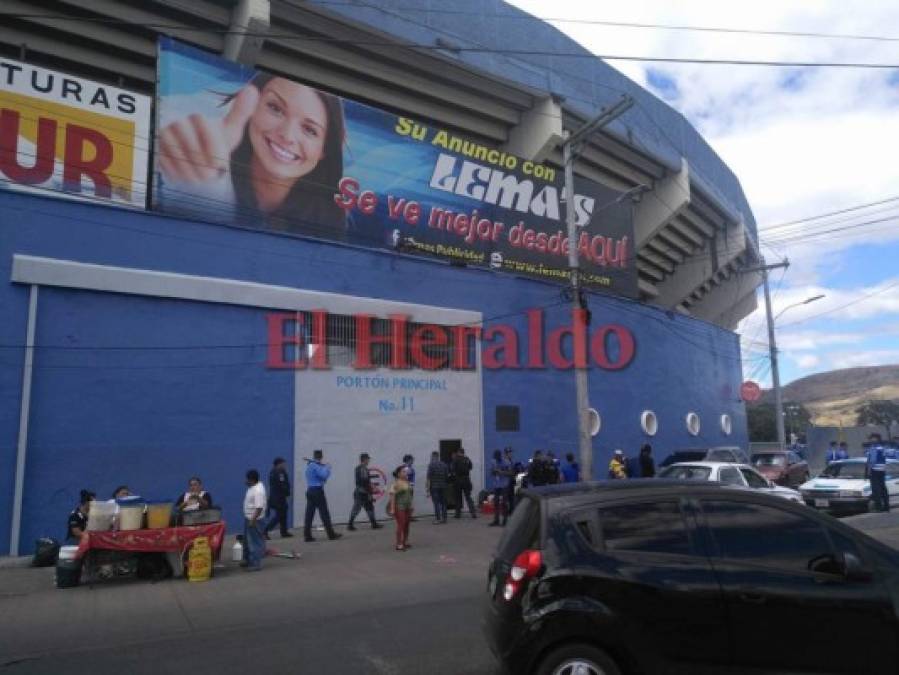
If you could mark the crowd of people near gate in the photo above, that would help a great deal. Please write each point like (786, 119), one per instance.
(266, 509)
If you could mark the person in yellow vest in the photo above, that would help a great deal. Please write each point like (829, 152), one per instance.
(617, 467)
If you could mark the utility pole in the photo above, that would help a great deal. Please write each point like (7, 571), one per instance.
(772, 349)
(775, 371)
(570, 150)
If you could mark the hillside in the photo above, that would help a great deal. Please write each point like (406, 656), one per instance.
(833, 397)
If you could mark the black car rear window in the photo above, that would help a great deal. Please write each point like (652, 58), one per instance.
(522, 531)
(651, 527)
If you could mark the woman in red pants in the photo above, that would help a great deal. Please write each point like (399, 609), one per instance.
(400, 506)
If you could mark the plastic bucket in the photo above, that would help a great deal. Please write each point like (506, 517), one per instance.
(131, 517)
(100, 516)
(159, 515)
(68, 573)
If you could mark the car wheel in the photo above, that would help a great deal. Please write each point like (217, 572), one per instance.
(578, 659)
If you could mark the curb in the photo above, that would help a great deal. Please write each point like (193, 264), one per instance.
(10, 562)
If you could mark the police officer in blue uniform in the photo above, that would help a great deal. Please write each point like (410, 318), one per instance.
(317, 474)
(877, 465)
(833, 453)
(843, 452)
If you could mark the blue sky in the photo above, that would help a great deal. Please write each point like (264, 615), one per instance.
(802, 141)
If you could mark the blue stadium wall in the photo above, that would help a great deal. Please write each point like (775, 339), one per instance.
(102, 415)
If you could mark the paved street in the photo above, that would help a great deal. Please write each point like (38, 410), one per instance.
(350, 606)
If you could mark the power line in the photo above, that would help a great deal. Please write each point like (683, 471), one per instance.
(507, 52)
(829, 213)
(856, 301)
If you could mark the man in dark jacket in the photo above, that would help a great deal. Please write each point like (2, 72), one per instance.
(278, 497)
(437, 480)
(362, 494)
(461, 469)
(647, 464)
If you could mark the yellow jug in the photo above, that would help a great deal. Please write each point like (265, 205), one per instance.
(199, 560)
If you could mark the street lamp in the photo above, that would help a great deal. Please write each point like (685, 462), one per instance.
(772, 346)
(799, 304)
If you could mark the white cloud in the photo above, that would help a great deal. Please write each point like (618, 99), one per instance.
(807, 361)
(864, 358)
(802, 141)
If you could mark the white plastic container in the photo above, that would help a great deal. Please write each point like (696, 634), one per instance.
(237, 552)
(67, 552)
(131, 517)
(100, 516)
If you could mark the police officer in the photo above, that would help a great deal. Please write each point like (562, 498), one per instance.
(462, 471)
(362, 494)
(317, 474)
(877, 466)
(278, 494)
(843, 452)
(833, 452)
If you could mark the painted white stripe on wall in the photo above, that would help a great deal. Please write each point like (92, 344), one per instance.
(28, 269)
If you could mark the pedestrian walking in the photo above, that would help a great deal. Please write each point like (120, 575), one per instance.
(617, 466)
(254, 504)
(571, 470)
(462, 471)
(400, 506)
(500, 473)
(877, 466)
(647, 464)
(317, 474)
(833, 453)
(278, 498)
(363, 494)
(435, 484)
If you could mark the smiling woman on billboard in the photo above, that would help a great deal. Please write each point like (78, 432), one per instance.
(276, 156)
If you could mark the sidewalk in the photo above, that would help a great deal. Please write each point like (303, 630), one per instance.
(332, 581)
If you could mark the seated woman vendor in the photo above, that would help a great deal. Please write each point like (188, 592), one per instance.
(195, 499)
(77, 524)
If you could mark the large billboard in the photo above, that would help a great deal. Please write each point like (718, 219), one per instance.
(70, 136)
(239, 146)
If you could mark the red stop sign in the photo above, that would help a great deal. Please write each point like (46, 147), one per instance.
(750, 391)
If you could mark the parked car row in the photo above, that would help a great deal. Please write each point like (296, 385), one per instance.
(665, 576)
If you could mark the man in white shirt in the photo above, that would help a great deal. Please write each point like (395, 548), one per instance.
(254, 526)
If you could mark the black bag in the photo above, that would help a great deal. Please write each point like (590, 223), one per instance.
(46, 550)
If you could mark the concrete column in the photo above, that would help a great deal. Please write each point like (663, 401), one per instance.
(249, 18)
(702, 265)
(538, 132)
(668, 197)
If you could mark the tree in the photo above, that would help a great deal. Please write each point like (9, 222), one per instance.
(763, 427)
(879, 413)
(760, 420)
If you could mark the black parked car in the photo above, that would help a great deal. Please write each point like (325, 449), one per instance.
(657, 576)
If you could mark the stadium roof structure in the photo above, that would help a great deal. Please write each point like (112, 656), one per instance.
(481, 67)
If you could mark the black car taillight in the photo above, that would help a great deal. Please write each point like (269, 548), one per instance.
(526, 567)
